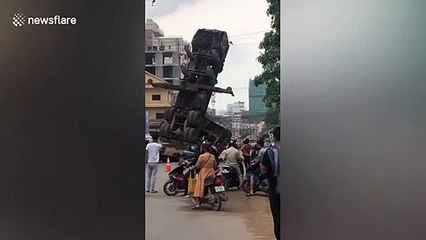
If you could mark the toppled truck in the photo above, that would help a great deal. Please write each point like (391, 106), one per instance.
(187, 121)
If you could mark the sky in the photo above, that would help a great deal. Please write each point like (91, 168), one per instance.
(245, 21)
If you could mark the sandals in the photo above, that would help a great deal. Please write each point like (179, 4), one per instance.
(249, 194)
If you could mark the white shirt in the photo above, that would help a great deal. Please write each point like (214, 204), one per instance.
(153, 149)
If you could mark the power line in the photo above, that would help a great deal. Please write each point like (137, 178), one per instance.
(242, 38)
(248, 33)
(235, 45)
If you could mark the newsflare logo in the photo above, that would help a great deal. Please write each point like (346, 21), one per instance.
(19, 20)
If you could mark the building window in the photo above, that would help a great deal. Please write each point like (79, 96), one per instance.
(159, 116)
(170, 47)
(156, 97)
(154, 48)
(161, 48)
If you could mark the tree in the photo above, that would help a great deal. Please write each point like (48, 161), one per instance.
(272, 118)
(270, 60)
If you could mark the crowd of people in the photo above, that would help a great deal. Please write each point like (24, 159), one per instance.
(259, 159)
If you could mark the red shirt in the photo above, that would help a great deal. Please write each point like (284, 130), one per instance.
(246, 149)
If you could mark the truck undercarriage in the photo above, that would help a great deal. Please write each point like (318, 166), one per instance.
(187, 121)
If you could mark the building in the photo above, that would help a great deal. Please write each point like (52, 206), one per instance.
(235, 111)
(164, 55)
(157, 101)
(235, 108)
(257, 107)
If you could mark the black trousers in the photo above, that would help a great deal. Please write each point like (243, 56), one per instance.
(186, 183)
(275, 203)
(247, 162)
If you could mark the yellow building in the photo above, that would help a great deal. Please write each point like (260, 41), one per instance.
(157, 100)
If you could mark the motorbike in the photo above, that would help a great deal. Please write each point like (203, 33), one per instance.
(230, 176)
(260, 182)
(177, 179)
(213, 188)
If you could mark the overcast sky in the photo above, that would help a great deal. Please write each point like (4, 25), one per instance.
(245, 21)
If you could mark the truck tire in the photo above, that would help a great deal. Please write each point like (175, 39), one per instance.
(191, 134)
(165, 130)
(168, 115)
(195, 119)
(161, 131)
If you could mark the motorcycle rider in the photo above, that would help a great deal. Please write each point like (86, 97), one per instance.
(197, 152)
(232, 156)
(206, 165)
(254, 169)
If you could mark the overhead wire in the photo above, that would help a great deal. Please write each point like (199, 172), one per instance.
(243, 34)
(241, 44)
(237, 39)
(246, 36)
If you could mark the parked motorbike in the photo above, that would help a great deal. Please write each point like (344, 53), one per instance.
(213, 188)
(177, 179)
(260, 182)
(230, 176)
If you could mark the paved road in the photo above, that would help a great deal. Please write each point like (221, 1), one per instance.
(241, 217)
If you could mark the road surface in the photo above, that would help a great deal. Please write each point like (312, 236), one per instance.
(241, 217)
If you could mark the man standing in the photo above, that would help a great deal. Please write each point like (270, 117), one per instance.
(152, 157)
(270, 166)
(232, 157)
(246, 149)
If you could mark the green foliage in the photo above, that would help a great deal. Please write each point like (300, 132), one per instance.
(270, 59)
(272, 118)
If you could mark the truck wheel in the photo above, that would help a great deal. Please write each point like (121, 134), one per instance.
(165, 130)
(195, 119)
(168, 115)
(161, 131)
(191, 134)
